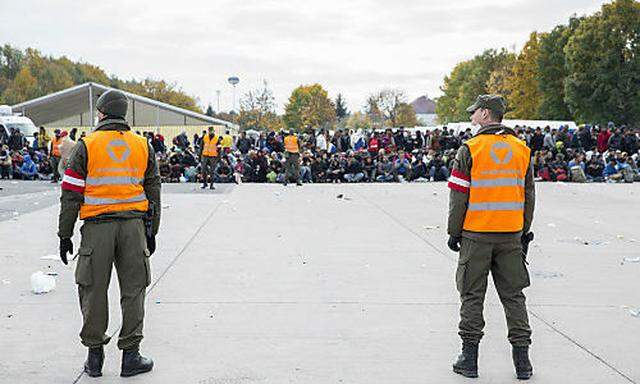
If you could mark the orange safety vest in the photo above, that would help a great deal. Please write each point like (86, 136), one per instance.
(210, 146)
(116, 164)
(291, 144)
(55, 146)
(496, 189)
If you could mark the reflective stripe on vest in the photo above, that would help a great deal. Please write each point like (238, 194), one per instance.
(499, 165)
(291, 144)
(210, 146)
(113, 180)
(106, 201)
(116, 164)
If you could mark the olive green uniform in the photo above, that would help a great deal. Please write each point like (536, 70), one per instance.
(118, 239)
(292, 166)
(208, 163)
(498, 253)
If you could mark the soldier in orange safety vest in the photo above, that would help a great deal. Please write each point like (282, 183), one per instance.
(292, 162)
(209, 155)
(54, 159)
(491, 207)
(112, 182)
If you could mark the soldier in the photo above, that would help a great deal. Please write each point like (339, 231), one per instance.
(490, 213)
(209, 154)
(113, 183)
(54, 160)
(292, 163)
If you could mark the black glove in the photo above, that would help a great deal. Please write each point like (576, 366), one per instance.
(151, 244)
(454, 243)
(66, 245)
(525, 240)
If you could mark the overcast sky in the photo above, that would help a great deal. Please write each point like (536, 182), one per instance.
(353, 47)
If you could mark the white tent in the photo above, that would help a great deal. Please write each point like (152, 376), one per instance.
(75, 107)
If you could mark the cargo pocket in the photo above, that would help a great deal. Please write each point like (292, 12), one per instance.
(84, 271)
(147, 266)
(526, 280)
(461, 272)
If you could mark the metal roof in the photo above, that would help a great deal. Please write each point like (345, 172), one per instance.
(74, 106)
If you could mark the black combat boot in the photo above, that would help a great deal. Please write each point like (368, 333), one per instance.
(95, 359)
(524, 370)
(211, 187)
(467, 363)
(133, 363)
(204, 185)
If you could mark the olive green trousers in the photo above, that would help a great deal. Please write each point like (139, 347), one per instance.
(106, 243)
(510, 276)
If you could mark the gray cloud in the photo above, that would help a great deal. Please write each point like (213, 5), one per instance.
(355, 47)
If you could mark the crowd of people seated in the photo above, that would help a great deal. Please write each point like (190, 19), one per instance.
(589, 153)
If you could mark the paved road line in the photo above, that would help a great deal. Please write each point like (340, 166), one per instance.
(552, 327)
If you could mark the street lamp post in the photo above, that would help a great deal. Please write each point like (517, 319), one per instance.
(234, 80)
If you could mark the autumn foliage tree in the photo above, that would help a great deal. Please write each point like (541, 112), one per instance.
(309, 105)
(522, 85)
(28, 74)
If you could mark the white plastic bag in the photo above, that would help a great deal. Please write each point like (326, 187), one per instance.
(41, 283)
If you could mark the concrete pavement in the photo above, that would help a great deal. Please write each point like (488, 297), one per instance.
(265, 284)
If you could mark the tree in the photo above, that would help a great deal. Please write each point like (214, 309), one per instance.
(23, 87)
(341, 107)
(210, 111)
(258, 110)
(522, 87)
(468, 80)
(309, 105)
(10, 65)
(406, 116)
(357, 120)
(603, 62)
(29, 74)
(389, 108)
(552, 71)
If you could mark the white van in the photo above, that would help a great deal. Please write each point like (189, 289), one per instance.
(8, 120)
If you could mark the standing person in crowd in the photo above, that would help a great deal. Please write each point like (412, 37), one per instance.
(42, 143)
(244, 143)
(604, 136)
(226, 142)
(113, 184)
(292, 162)
(549, 141)
(55, 155)
(209, 156)
(616, 140)
(490, 213)
(66, 146)
(537, 140)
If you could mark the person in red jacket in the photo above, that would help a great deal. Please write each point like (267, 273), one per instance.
(603, 137)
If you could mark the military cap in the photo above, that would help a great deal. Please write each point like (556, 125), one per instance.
(495, 103)
(113, 103)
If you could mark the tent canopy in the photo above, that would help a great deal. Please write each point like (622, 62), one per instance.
(75, 106)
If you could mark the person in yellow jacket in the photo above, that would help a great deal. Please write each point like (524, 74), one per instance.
(112, 182)
(491, 205)
(209, 156)
(292, 162)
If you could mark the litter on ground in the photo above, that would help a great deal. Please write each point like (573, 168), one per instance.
(431, 227)
(631, 259)
(41, 283)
